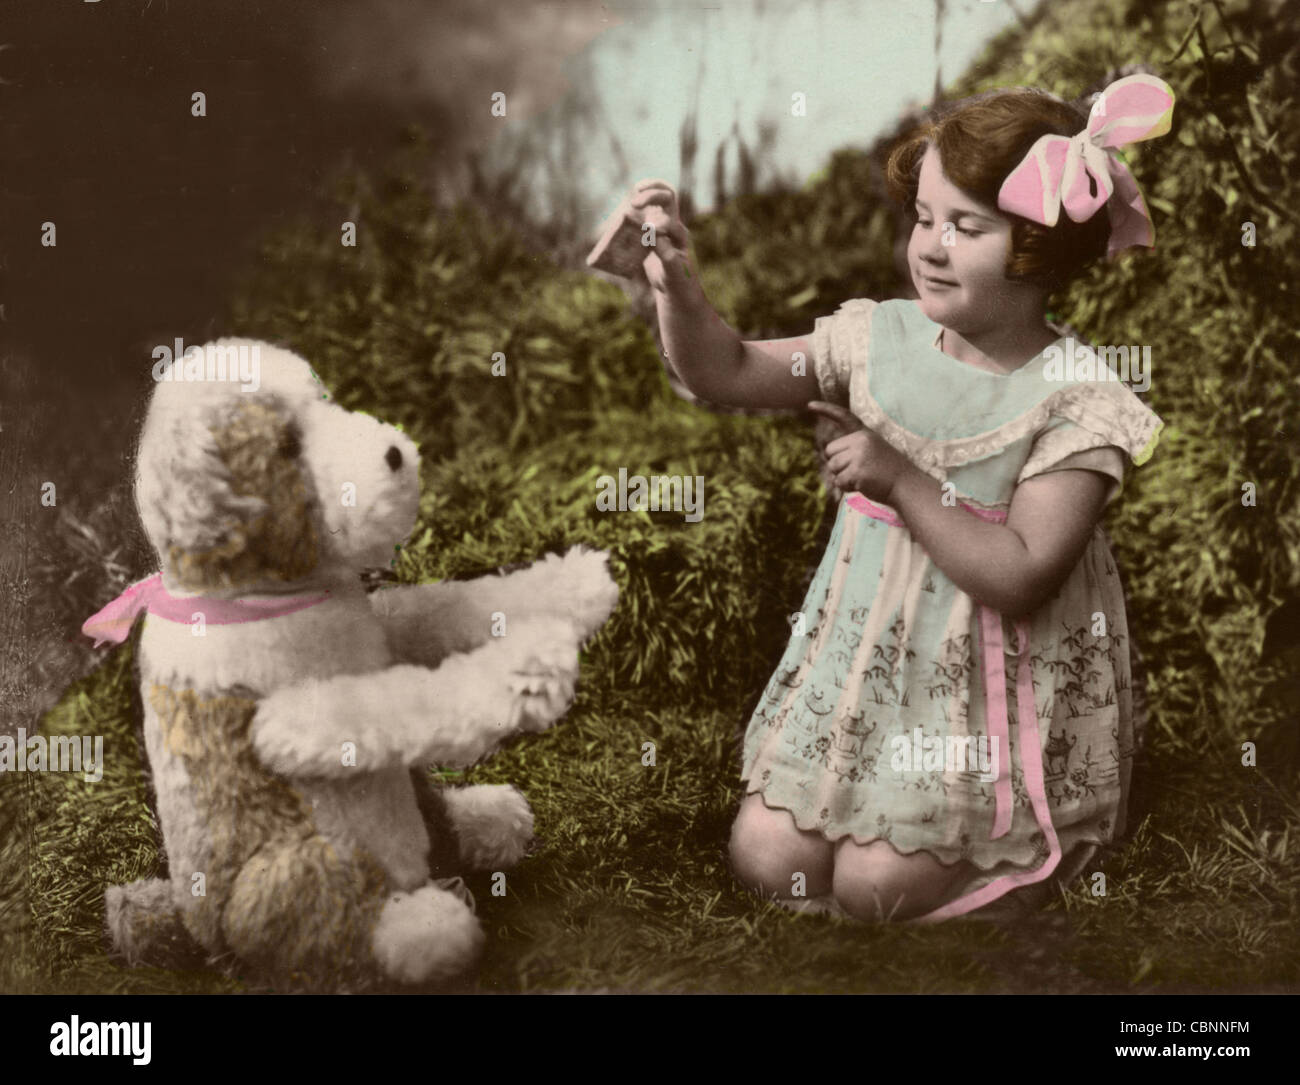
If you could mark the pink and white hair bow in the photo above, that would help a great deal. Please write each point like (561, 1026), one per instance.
(1082, 173)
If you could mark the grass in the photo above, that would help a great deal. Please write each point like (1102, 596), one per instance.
(628, 888)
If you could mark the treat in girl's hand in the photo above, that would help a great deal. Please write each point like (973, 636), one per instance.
(619, 250)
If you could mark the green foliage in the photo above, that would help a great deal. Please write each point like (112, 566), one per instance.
(405, 324)
(702, 610)
(771, 263)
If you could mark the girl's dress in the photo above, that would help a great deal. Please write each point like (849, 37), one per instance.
(865, 728)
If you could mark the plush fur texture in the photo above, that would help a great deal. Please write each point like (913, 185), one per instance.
(302, 835)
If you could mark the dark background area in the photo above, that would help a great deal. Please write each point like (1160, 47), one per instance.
(156, 209)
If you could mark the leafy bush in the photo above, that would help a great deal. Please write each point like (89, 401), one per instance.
(405, 324)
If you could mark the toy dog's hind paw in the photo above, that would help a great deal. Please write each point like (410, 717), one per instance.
(494, 824)
(145, 929)
(429, 936)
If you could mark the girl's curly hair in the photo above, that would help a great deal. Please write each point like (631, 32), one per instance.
(980, 140)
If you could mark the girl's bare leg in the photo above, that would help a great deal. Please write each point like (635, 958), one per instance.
(874, 882)
(768, 849)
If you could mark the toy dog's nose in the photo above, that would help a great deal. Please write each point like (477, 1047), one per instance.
(393, 457)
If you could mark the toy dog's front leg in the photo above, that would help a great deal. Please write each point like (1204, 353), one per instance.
(426, 623)
(409, 715)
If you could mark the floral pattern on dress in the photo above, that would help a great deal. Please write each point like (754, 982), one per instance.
(893, 655)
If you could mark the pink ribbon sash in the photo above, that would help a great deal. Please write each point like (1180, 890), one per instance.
(114, 622)
(995, 701)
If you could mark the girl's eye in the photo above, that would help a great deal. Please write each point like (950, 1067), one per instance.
(970, 233)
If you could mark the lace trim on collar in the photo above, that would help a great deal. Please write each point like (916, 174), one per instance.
(1105, 408)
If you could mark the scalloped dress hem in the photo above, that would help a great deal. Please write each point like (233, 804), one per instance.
(1072, 864)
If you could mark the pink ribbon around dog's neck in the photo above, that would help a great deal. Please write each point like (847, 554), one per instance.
(114, 622)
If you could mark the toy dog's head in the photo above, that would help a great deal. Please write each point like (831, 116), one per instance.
(248, 479)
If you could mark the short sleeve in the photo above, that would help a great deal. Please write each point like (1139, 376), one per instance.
(838, 345)
(1094, 429)
(1106, 460)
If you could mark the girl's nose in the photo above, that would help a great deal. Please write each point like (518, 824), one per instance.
(935, 250)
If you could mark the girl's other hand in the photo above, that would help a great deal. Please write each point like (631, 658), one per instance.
(858, 459)
(668, 262)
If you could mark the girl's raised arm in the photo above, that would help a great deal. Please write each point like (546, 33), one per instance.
(778, 373)
(716, 364)
(708, 355)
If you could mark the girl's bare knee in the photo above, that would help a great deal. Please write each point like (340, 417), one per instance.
(771, 854)
(873, 882)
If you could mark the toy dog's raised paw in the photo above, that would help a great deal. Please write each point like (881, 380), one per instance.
(429, 936)
(544, 673)
(589, 593)
(540, 700)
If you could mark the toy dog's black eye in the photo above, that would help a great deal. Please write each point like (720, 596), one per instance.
(290, 445)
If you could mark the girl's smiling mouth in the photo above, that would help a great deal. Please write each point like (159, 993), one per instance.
(933, 283)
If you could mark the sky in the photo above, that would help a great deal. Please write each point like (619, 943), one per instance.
(858, 64)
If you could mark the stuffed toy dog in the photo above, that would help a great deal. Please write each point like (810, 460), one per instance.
(290, 717)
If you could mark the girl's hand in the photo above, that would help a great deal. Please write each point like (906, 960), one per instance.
(858, 459)
(668, 262)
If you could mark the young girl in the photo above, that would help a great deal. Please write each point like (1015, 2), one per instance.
(953, 720)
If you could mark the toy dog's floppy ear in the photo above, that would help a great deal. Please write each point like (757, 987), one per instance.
(222, 493)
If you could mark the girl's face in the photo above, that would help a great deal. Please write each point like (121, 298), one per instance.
(958, 254)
